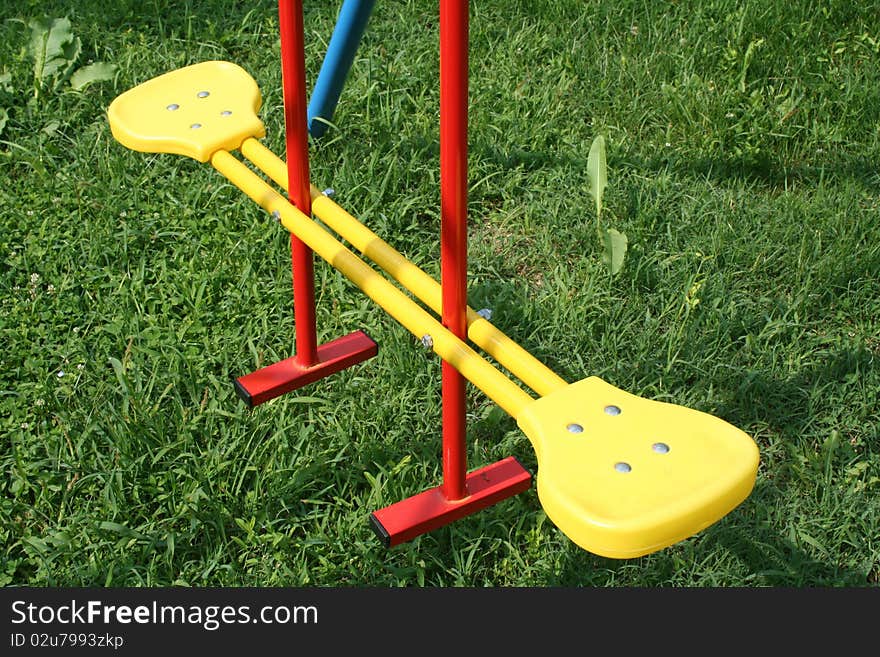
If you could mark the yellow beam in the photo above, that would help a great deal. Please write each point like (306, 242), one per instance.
(483, 333)
(411, 316)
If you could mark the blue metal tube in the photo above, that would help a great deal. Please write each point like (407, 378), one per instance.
(347, 33)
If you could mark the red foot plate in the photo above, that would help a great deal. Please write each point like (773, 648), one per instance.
(430, 509)
(274, 380)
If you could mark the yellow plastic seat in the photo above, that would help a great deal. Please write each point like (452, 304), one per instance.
(193, 111)
(624, 476)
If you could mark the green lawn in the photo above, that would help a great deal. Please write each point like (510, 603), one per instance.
(743, 145)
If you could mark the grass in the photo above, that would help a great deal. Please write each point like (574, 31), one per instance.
(743, 149)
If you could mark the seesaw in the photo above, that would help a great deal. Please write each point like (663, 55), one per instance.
(620, 475)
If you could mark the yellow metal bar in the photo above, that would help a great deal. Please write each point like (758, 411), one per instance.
(472, 366)
(483, 333)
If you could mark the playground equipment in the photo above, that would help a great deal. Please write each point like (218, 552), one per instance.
(622, 476)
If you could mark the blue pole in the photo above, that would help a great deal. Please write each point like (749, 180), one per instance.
(343, 45)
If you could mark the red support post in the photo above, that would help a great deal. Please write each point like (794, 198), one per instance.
(461, 493)
(293, 79)
(310, 362)
(453, 230)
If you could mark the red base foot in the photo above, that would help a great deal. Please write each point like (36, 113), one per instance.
(273, 380)
(430, 509)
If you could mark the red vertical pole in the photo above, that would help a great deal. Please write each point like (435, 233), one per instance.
(453, 230)
(460, 493)
(310, 362)
(290, 18)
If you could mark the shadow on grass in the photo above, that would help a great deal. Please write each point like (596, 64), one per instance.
(788, 405)
(769, 551)
(762, 170)
(773, 173)
(737, 551)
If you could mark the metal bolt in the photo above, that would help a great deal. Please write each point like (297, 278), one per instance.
(172, 107)
(427, 341)
(660, 448)
(276, 215)
(203, 94)
(225, 113)
(575, 428)
(612, 410)
(485, 313)
(196, 126)
(329, 192)
(622, 467)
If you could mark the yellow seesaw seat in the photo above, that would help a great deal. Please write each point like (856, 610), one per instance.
(194, 111)
(622, 476)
